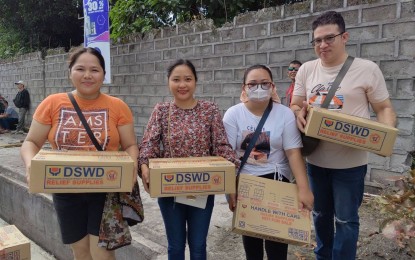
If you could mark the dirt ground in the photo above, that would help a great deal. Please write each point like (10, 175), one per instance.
(372, 245)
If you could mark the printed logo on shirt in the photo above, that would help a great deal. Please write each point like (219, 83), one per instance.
(319, 93)
(335, 104)
(321, 88)
(261, 150)
(71, 133)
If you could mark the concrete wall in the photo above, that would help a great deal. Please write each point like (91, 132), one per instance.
(33, 214)
(381, 30)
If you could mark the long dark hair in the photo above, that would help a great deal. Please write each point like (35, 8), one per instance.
(79, 51)
(179, 62)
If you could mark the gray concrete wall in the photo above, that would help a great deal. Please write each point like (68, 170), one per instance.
(33, 214)
(382, 31)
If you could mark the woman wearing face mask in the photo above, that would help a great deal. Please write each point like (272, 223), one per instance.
(276, 154)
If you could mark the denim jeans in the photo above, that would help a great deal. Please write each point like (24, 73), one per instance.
(8, 123)
(338, 194)
(175, 217)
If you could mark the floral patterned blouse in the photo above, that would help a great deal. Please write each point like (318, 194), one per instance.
(194, 132)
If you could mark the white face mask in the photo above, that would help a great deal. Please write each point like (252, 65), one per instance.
(259, 94)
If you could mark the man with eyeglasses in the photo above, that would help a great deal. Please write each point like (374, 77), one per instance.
(337, 173)
(291, 72)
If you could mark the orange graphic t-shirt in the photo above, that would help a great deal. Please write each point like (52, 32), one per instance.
(103, 115)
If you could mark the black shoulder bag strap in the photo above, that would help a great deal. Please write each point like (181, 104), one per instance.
(337, 81)
(84, 122)
(255, 136)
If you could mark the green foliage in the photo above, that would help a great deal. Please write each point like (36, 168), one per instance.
(29, 25)
(397, 207)
(140, 16)
(9, 43)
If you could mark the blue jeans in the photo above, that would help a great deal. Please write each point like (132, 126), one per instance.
(338, 194)
(175, 217)
(8, 123)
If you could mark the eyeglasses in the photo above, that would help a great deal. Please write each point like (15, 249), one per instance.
(254, 85)
(328, 39)
(293, 69)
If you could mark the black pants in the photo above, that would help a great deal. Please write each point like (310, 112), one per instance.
(254, 247)
(79, 214)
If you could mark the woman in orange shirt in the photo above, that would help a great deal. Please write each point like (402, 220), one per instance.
(84, 220)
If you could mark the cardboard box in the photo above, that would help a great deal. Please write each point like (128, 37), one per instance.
(13, 244)
(191, 176)
(352, 131)
(55, 171)
(268, 209)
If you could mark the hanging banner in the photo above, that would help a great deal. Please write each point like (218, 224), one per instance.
(96, 31)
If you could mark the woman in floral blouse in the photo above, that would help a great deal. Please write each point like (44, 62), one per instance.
(186, 127)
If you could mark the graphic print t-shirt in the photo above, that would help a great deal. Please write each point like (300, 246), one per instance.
(260, 152)
(103, 115)
(363, 84)
(278, 134)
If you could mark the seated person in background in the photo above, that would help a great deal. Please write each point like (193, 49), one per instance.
(2, 104)
(8, 119)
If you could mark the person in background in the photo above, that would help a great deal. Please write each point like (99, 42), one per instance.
(2, 104)
(91, 223)
(22, 102)
(291, 72)
(279, 142)
(185, 127)
(9, 119)
(337, 172)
